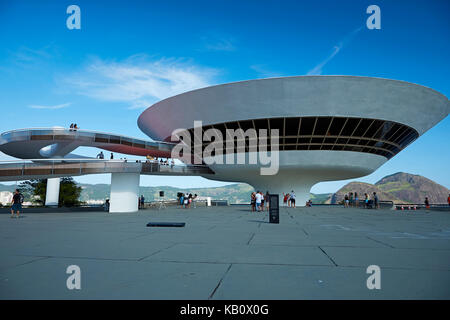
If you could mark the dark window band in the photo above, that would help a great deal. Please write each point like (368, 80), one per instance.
(385, 138)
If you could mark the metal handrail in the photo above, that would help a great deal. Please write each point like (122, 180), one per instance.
(62, 129)
(79, 167)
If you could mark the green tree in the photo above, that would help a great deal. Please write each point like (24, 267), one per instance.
(69, 192)
(32, 188)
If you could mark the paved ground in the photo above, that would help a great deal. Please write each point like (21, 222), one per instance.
(227, 253)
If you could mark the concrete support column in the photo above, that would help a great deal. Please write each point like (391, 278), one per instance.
(52, 192)
(124, 192)
(302, 192)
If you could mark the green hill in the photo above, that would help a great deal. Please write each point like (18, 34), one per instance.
(413, 188)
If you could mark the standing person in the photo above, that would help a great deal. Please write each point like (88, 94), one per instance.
(356, 200)
(366, 200)
(112, 156)
(375, 200)
(448, 199)
(106, 206)
(253, 201)
(427, 203)
(75, 127)
(189, 200)
(266, 199)
(289, 199)
(194, 199)
(71, 127)
(262, 201)
(16, 203)
(142, 201)
(285, 196)
(258, 198)
(182, 200)
(346, 201)
(292, 198)
(350, 199)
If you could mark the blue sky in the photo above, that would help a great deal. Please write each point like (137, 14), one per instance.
(130, 54)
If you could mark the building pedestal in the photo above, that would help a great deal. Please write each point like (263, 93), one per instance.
(124, 192)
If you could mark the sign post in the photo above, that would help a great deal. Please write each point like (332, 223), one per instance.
(274, 211)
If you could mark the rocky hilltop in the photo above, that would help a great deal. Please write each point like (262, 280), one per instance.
(413, 188)
(399, 187)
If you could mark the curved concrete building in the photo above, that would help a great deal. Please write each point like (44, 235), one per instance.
(330, 127)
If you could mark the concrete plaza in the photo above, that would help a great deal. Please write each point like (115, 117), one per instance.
(227, 253)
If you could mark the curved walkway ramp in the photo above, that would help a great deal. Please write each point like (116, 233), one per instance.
(43, 169)
(44, 143)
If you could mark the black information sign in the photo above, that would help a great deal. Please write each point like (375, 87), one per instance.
(274, 213)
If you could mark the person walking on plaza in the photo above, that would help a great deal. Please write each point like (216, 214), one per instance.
(16, 203)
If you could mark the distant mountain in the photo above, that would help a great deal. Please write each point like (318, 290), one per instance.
(399, 187)
(319, 198)
(5, 187)
(234, 193)
(413, 188)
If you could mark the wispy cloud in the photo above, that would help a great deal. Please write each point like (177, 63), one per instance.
(138, 81)
(221, 45)
(264, 72)
(26, 57)
(218, 42)
(58, 106)
(317, 70)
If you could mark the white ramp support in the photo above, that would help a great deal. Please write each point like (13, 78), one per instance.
(52, 192)
(124, 192)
